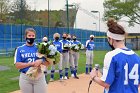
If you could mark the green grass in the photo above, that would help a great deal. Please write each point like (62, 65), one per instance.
(7, 85)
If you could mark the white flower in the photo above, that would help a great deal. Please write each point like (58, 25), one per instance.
(82, 46)
(73, 45)
(45, 43)
(52, 49)
(76, 47)
(66, 45)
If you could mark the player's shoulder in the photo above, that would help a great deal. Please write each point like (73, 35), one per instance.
(19, 48)
(119, 51)
(22, 46)
(53, 41)
(88, 41)
(60, 40)
(78, 41)
(112, 53)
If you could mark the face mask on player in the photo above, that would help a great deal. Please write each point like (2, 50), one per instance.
(68, 39)
(64, 38)
(45, 41)
(111, 46)
(74, 39)
(30, 40)
(91, 38)
(56, 38)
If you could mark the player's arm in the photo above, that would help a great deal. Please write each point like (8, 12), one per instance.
(95, 78)
(87, 43)
(100, 82)
(46, 63)
(20, 65)
(17, 60)
(108, 73)
(38, 62)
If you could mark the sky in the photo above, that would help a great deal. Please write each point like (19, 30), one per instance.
(84, 19)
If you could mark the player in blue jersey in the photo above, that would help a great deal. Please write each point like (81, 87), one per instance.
(121, 65)
(26, 57)
(59, 47)
(75, 54)
(71, 59)
(89, 54)
(65, 53)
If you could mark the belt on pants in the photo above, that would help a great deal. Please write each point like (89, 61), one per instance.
(65, 51)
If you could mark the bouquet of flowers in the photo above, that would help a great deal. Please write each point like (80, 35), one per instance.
(66, 46)
(47, 51)
(35, 72)
(77, 47)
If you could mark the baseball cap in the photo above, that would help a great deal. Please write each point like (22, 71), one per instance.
(45, 39)
(91, 35)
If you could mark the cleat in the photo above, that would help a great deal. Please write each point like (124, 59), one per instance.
(51, 80)
(76, 77)
(87, 73)
(65, 77)
(61, 79)
(72, 75)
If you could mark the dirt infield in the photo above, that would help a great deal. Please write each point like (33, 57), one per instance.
(73, 86)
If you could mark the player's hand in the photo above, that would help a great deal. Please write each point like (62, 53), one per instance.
(32, 64)
(37, 63)
(46, 63)
(93, 73)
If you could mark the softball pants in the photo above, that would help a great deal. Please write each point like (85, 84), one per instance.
(32, 86)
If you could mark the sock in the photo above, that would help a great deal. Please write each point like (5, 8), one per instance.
(66, 72)
(90, 67)
(76, 67)
(71, 69)
(52, 74)
(74, 72)
(61, 73)
(86, 68)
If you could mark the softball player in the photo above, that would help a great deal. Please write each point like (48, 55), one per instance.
(71, 59)
(59, 46)
(89, 54)
(45, 39)
(121, 66)
(65, 53)
(26, 57)
(75, 55)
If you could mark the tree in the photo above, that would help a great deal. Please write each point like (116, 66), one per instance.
(4, 8)
(119, 9)
(20, 10)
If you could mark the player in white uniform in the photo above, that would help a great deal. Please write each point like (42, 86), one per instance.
(121, 65)
(89, 54)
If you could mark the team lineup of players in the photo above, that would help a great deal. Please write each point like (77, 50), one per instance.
(69, 58)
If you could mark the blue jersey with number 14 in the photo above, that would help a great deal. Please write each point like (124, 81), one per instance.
(121, 71)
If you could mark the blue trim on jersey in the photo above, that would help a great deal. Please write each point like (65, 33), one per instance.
(63, 43)
(26, 54)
